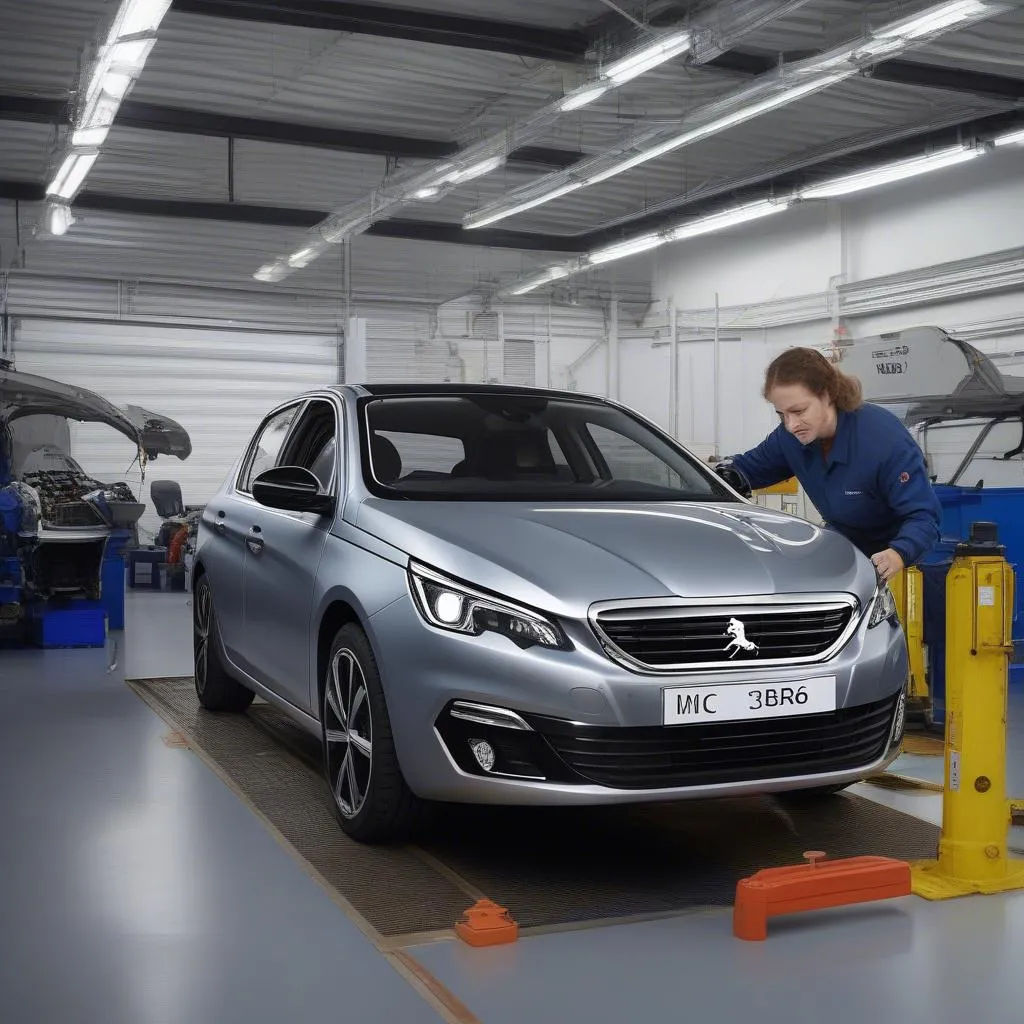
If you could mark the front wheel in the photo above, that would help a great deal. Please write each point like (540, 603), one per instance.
(371, 798)
(216, 690)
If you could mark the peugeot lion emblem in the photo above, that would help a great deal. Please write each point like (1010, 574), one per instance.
(739, 641)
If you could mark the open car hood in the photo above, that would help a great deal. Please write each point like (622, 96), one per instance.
(24, 394)
(160, 434)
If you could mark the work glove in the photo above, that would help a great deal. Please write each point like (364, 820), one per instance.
(733, 477)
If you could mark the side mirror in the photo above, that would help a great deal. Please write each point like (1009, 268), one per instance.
(734, 478)
(292, 489)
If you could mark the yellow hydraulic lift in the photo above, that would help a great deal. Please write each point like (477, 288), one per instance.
(976, 814)
(908, 590)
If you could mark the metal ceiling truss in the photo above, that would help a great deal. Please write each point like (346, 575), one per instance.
(154, 117)
(563, 45)
(839, 158)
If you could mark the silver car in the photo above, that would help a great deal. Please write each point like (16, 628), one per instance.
(503, 595)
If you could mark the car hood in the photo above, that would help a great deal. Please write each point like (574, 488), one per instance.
(563, 558)
(25, 394)
(160, 434)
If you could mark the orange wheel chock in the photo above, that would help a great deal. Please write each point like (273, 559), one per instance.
(813, 886)
(486, 924)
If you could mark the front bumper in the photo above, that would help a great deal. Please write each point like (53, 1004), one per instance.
(591, 731)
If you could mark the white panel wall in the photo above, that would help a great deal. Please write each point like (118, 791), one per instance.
(217, 384)
(774, 283)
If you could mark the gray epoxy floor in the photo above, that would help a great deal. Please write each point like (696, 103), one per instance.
(137, 888)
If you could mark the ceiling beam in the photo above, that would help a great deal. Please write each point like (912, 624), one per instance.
(288, 217)
(153, 117)
(397, 22)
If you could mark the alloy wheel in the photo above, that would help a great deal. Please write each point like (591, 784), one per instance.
(201, 634)
(348, 733)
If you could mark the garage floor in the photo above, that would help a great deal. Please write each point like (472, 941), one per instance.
(138, 887)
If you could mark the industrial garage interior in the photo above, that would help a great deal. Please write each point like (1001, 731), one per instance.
(448, 215)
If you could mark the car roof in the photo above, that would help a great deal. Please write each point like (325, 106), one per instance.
(384, 390)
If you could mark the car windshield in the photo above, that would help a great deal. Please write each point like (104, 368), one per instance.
(509, 447)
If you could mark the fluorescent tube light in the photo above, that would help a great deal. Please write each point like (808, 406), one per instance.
(550, 275)
(628, 68)
(58, 218)
(935, 19)
(476, 170)
(727, 219)
(72, 173)
(140, 16)
(271, 272)
(886, 173)
(493, 218)
(719, 124)
(1009, 139)
(631, 247)
(426, 193)
(581, 97)
(303, 257)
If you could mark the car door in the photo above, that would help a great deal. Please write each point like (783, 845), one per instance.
(228, 518)
(283, 551)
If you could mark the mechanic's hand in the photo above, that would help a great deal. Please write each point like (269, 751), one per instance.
(887, 564)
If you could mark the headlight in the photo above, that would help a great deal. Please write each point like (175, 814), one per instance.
(883, 607)
(456, 607)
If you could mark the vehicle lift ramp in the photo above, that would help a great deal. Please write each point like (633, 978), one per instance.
(925, 376)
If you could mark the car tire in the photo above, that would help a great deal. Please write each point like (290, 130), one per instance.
(371, 799)
(216, 690)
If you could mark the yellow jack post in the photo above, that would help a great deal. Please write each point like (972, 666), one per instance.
(908, 591)
(976, 814)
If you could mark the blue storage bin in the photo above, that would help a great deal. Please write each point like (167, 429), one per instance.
(78, 624)
(1003, 506)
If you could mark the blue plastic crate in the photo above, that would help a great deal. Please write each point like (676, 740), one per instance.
(78, 624)
(1003, 506)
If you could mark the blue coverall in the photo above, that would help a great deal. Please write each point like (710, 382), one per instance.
(873, 486)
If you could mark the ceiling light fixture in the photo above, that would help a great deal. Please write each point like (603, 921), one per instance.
(648, 58)
(1012, 138)
(581, 97)
(770, 92)
(885, 174)
(119, 62)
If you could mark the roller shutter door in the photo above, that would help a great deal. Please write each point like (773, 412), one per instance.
(218, 384)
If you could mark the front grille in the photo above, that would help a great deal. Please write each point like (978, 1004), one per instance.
(702, 755)
(673, 638)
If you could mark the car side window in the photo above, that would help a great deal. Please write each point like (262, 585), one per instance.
(313, 444)
(267, 447)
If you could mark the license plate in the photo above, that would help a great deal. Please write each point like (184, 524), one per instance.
(732, 702)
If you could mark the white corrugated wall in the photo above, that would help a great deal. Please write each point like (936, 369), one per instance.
(217, 381)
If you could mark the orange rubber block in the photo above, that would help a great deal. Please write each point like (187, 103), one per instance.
(814, 886)
(486, 924)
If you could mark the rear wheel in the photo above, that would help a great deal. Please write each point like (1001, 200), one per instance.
(216, 690)
(371, 798)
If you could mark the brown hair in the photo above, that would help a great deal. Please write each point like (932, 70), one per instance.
(807, 366)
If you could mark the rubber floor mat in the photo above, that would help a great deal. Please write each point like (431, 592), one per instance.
(549, 866)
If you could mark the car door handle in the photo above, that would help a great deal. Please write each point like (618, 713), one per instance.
(220, 526)
(254, 541)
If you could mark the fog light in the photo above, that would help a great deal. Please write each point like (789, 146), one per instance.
(901, 714)
(484, 754)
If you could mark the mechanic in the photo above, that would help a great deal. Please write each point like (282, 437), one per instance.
(857, 462)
